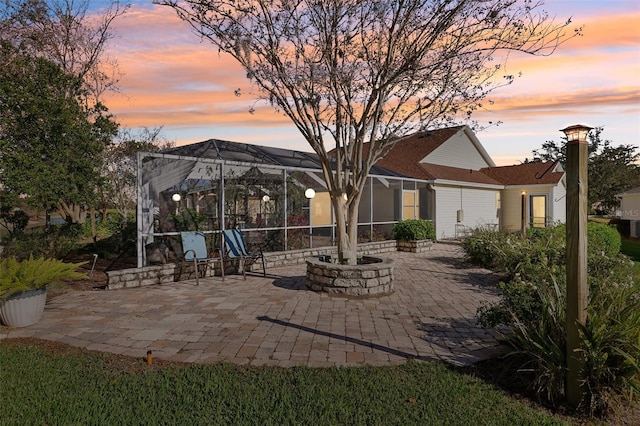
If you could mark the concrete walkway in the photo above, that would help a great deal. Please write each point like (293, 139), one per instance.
(277, 321)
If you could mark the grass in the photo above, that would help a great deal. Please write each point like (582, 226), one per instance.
(41, 386)
(632, 249)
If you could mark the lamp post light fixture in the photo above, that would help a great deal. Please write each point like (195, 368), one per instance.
(310, 193)
(266, 198)
(177, 197)
(577, 133)
(577, 289)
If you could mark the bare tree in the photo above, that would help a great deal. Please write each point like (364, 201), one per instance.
(64, 32)
(120, 168)
(357, 76)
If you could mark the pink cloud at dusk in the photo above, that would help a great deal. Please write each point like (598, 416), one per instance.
(173, 79)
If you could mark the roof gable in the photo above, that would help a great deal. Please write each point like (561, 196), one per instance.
(461, 149)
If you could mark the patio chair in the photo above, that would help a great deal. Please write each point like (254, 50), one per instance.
(237, 249)
(194, 250)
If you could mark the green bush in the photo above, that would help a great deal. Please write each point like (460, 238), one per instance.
(511, 254)
(52, 242)
(414, 229)
(533, 305)
(603, 238)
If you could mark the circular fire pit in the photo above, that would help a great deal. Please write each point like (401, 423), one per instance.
(372, 277)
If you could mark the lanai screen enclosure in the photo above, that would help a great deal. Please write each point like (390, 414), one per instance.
(216, 185)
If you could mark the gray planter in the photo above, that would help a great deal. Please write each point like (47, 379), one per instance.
(23, 309)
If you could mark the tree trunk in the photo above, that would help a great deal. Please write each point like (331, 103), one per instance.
(346, 214)
(94, 233)
(74, 213)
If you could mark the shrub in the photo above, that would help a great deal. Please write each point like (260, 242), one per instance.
(13, 220)
(603, 239)
(414, 229)
(53, 242)
(533, 305)
(511, 254)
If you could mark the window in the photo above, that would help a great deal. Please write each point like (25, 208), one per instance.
(409, 204)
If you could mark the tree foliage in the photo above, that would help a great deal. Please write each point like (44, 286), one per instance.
(50, 144)
(611, 169)
(356, 76)
(54, 126)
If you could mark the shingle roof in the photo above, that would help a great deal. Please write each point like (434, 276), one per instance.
(403, 160)
(405, 155)
(526, 174)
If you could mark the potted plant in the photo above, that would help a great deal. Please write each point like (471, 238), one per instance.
(23, 287)
(414, 235)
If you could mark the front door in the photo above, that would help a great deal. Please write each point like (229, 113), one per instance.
(538, 211)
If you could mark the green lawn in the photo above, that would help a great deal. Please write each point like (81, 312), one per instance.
(39, 386)
(632, 249)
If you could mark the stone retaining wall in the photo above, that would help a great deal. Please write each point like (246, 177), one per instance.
(351, 280)
(162, 274)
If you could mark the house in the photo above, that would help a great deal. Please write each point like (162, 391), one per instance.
(630, 210)
(280, 198)
(467, 190)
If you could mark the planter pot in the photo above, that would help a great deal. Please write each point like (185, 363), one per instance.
(374, 277)
(23, 309)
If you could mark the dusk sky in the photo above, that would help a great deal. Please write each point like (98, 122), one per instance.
(173, 79)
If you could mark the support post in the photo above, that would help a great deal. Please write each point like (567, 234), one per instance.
(523, 218)
(577, 289)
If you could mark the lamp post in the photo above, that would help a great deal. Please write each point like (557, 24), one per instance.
(577, 289)
(309, 194)
(263, 213)
(176, 198)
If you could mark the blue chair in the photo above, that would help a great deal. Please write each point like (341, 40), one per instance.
(194, 248)
(237, 249)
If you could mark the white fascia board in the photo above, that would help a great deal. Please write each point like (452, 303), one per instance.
(467, 184)
(541, 185)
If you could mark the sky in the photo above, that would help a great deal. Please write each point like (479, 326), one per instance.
(171, 78)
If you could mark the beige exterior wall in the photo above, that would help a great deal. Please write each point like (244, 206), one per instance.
(511, 211)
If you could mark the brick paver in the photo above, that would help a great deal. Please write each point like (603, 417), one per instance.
(277, 321)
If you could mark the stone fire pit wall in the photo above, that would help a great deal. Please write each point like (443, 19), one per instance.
(352, 280)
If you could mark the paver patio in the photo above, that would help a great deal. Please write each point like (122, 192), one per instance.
(277, 321)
